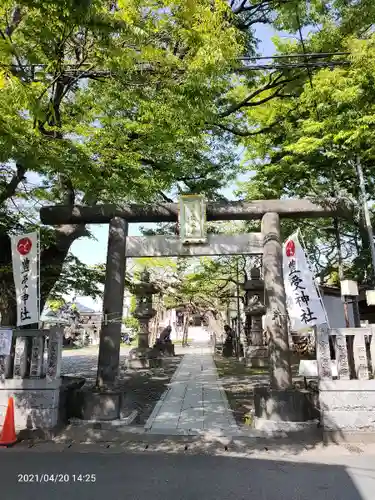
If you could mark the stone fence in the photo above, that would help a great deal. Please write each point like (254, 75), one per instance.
(31, 375)
(347, 403)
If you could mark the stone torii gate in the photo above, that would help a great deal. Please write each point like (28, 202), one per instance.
(267, 243)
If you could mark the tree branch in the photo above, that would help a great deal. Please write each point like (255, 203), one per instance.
(246, 133)
(165, 197)
(241, 8)
(247, 101)
(16, 19)
(10, 188)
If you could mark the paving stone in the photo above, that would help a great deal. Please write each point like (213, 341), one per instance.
(196, 400)
(213, 395)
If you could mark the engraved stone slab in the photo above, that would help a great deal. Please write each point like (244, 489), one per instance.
(349, 420)
(323, 353)
(347, 404)
(167, 246)
(37, 350)
(8, 367)
(360, 357)
(30, 384)
(372, 352)
(257, 351)
(5, 368)
(32, 418)
(350, 331)
(256, 330)
(347, 385)
(309, 368)
(347, 400)
(342, 357)
(257, 356)
(54, 354)
(2, 369)
(42, 399)
(20, 358)
(23, 399)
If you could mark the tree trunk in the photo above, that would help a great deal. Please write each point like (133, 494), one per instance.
(53, 257)
(8, 312)
(51, 263)
(156, 322)
(185, 329)
(8, 306)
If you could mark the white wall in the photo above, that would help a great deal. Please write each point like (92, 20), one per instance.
(126, 304)
(335, 311)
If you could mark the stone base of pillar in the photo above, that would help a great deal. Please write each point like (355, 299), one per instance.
(90, 404)
(36, 402)
(256, 356)
(289, 410)
(165, 349)
(143, 358)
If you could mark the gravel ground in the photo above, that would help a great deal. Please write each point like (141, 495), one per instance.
(239, 382)
(142, 388)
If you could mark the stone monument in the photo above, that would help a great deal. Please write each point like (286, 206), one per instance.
(31, 376)
(256, 354)
(143, 356)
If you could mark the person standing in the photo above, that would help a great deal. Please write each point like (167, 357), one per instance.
(228, 343)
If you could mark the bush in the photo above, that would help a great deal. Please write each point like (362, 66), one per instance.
(132, 323)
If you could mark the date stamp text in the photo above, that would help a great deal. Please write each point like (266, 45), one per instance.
(56, 478)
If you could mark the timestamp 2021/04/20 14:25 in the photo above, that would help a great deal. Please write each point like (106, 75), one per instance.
(56, 478)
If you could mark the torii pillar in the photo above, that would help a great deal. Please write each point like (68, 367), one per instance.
(110, 334)
(278, 407)
(275, 298)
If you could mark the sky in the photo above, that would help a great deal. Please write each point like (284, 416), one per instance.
(94, 251)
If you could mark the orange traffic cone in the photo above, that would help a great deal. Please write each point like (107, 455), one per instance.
(8, 435)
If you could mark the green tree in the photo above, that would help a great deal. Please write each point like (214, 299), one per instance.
(124, 92)
(311, 150)
(132, 323)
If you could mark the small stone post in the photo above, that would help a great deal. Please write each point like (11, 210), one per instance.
(54, 357)
(20, 358)
(110, 335)
(37, 352)
(276, 315)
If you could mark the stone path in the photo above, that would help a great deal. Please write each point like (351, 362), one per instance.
(195, 402)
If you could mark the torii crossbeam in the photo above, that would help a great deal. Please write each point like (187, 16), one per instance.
(168, 212)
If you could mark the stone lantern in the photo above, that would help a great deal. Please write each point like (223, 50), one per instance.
(256, 354)
(144, 312)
